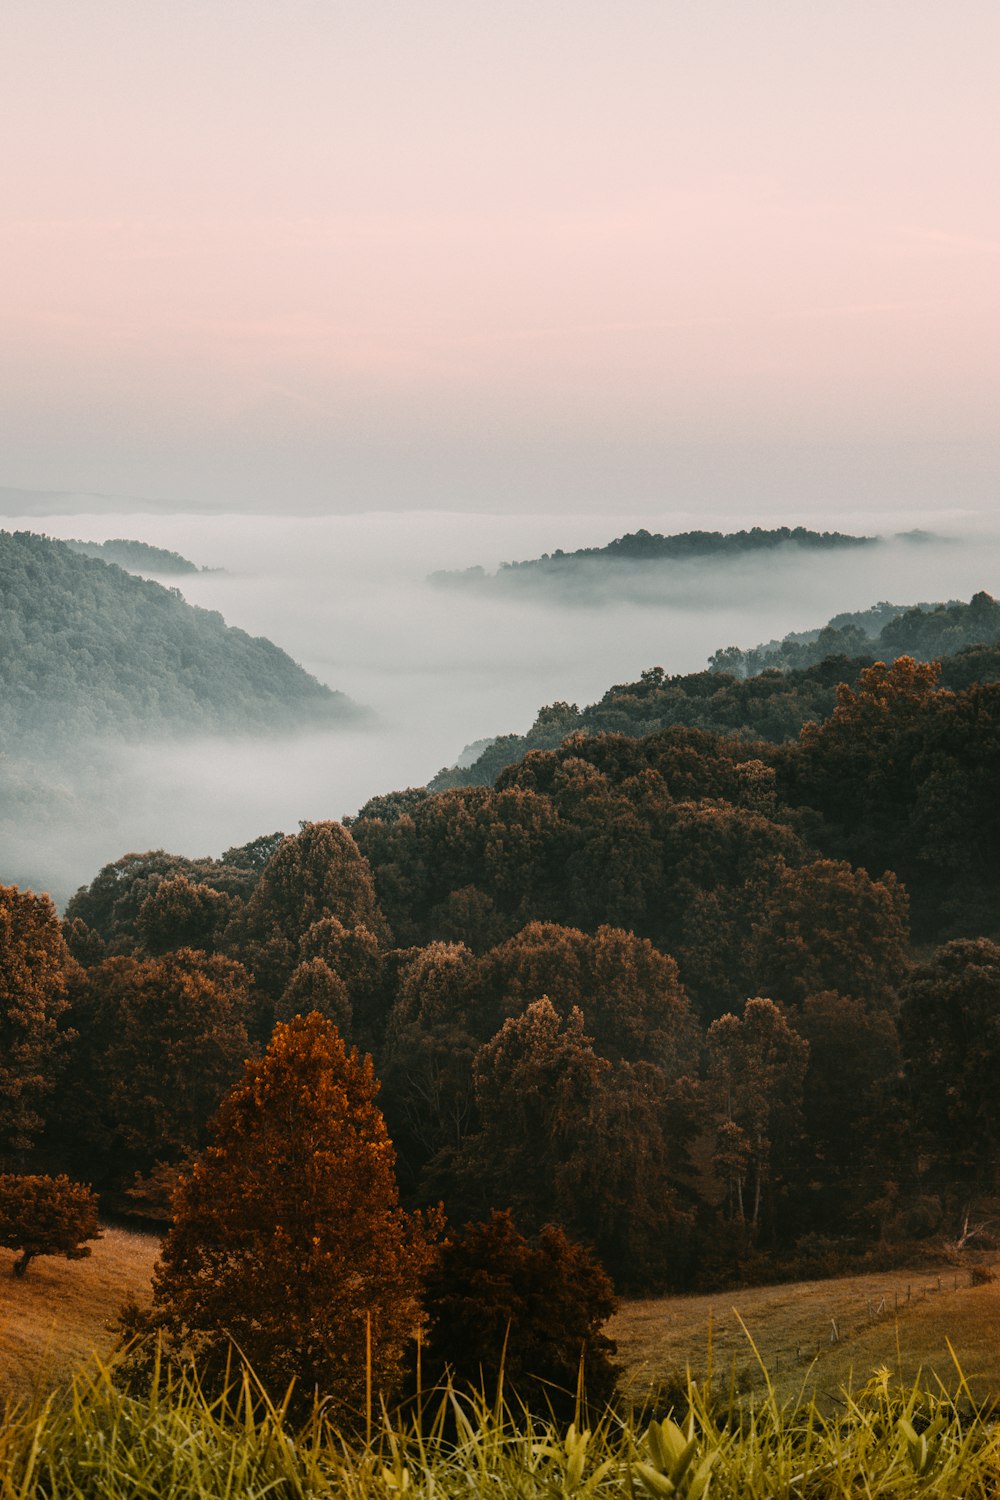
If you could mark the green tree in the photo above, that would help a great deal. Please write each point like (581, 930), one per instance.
(288, 1241)
(566, 1135)
(949, 1024)
(826, 926)
(46, 1216)
(354, 955)
(853, 1115)
(318, 873)
(314, 986)
(159, 1042)
(427, 1059)
(181, 913)
(633, 1003)
(757, 1066)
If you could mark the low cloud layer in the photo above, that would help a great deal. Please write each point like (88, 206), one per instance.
(347, 597)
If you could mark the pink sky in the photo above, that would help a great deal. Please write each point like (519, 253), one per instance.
(366, 253)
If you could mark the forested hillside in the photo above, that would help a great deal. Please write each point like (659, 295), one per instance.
(638, 550)
(885, 631)
(87, 649)
(704, 1001)
(135, 557)
(761, 694)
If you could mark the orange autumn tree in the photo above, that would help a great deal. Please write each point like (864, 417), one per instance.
(288, 1241)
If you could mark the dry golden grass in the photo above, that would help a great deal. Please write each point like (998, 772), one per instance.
(900, 1319)
(58, 1314)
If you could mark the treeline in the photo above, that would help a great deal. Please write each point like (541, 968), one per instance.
(925, 631)
(710, 1005)
(746, 695)
(90, 649)
(136, 557)
(642, 546)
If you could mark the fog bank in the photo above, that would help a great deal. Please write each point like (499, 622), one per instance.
(347, 597)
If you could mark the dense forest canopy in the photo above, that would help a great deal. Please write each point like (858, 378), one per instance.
(88, 649)
(703, 1000)
(135, 557)
(707, 973)
(638, 548)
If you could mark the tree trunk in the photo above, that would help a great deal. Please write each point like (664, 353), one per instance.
(21, 1264)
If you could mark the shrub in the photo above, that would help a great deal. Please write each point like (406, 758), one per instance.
(532, 1310)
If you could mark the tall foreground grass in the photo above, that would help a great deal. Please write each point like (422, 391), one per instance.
(93, 1440)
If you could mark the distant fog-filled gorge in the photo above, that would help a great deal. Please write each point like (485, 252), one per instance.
(429, 670)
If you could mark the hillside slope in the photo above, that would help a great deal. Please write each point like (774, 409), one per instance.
(819, 1337)
(59, 1315)
(86, 648)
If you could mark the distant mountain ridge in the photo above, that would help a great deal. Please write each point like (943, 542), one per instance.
(88, 649)
(645, 547)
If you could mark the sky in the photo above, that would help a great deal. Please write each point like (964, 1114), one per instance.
(529, 256)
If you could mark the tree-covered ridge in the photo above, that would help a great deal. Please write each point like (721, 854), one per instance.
(135, 557)
(678, 993)
(768, 702)
(884, 632)
(638, 547)
(90, 649)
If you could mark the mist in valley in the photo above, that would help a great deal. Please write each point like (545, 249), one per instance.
(348, 597)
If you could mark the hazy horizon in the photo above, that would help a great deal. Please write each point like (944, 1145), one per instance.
(347, 597)
(334, 296)
(314, 258)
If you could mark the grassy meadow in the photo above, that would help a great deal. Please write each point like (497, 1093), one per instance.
(58, 1315)
(881, 1411)
(819, 1337)
(62, 1311)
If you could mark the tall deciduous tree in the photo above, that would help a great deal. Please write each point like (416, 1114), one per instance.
(319, 873)
(160, 1041)
(757, 1065)
(288, 1241)
(827, 926)
(949, 1025)
(566, 1135)
(34, 964)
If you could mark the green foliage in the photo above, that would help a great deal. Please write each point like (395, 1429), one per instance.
(949, 1025)
(176, 1442)
(317, 874)
(827, 926)
(93, 650)
(757, 1067)
(768, 692)
(635, 548)
(46, 1216)
(315, 987)
(136, 557)
(159, 1042)
(566, 1135)
(122, 908)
